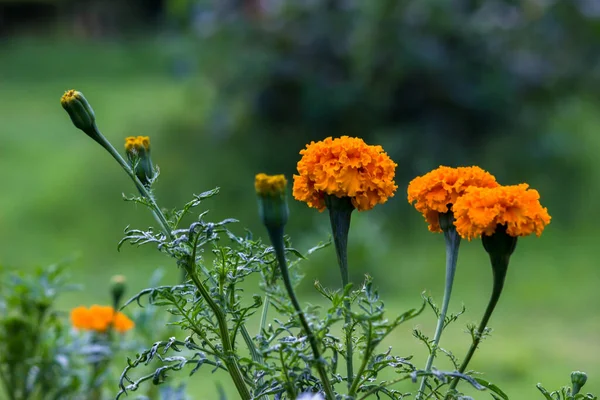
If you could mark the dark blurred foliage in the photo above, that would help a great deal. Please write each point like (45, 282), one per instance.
(433, 81)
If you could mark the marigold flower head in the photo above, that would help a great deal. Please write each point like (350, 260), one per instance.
(100, 318)
(344, 167)
(436, 191)
(480, 210)
(270, 185)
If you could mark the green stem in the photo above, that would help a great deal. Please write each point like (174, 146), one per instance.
(160, 218)
(230, 359)
(264, 313)
(7, 387)
(340, 211)
(276, 236)
(363, 366)
(452, 245)
(499, 268)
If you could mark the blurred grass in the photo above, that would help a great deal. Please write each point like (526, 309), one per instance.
(61, 198)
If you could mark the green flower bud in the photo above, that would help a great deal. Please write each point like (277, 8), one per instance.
(117, 289)
(137, 150)
(80, 111)
(578, 379)
(273, 208)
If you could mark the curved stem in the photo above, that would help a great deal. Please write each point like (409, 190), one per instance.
(276, 236)
(340, 212)
(230, 359)
(452, 245)
(499, 268)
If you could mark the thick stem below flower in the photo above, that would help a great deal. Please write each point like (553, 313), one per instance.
(340, 213)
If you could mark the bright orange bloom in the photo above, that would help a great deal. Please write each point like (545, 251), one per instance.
(121, 323)
(344, 167)
(436, 191)
(480, 210)
(100, 318)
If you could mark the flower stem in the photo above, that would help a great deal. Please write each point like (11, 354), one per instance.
(499, 268)
(160, 218)
(264, 313)
(230, 359)
(365, 361)
(452, 245)
(276, 236)
(340, 212)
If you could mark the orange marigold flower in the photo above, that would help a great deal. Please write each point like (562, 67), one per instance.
(100, 318)
(81, 318)
(436, 191)
(344, 167)
(481, 210)
(122, 323)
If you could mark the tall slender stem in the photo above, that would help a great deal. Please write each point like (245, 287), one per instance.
(276, 236)
(264, 313)
(499, 268)
(141, 188)
(230, 359)
(340, 212)
(452, 240)
(160, 218)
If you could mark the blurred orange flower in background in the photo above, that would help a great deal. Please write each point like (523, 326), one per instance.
(481, 210)
(344, 167)
(100, 318)
(436, 191)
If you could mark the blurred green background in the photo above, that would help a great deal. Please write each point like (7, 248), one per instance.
(227, 89)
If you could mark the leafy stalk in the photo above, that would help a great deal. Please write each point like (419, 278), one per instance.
(276, 236)
(230, 359)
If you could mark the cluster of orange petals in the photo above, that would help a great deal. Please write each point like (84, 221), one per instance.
(344, 167)
(100, 318)
(436, 191)
(480, 210)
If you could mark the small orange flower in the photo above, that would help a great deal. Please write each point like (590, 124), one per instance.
(81, 318)
(481, 210)
(344, 167)
(100, 318)
(436, 191)
(121, 323)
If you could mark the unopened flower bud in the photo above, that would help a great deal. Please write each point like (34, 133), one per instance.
(80, 111)
(273, 208)
(137, 150)
(117, 289)
(578, 379)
